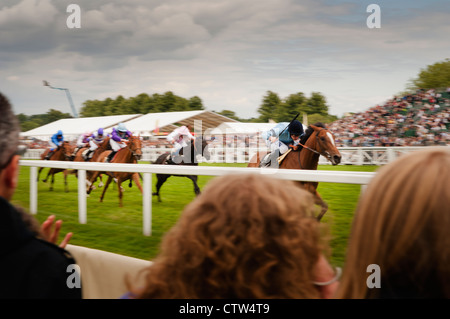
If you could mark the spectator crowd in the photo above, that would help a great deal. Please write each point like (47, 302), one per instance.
(419, 119)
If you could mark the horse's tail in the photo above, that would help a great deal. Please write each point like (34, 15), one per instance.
(161, 158)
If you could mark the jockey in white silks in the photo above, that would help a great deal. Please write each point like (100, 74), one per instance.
(94, 141)
(179, 137)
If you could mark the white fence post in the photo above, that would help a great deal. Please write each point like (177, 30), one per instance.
(82, 215)
(33, 190)
(147, 204)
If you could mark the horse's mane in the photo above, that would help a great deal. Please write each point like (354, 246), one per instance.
(309, 131)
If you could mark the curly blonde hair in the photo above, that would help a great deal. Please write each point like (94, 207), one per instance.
(245, 236)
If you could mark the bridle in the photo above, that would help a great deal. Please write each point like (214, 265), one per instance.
(324, 154)
(133, 151)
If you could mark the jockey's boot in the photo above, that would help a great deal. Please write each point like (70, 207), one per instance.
(86, 157)
(271, 160)
(110, 156)
(49, 155)
(74, 154)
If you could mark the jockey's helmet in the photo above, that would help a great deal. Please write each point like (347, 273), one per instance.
(296, 128)
(121, 127)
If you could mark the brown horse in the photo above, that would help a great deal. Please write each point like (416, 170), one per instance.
(62, 153)
(188, 155)
(130, 154)
(102, 147)
(317, 141)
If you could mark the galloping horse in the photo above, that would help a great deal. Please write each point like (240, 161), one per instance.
(102, 147)
(189, 155)
(62, 153)
(317, 141)
(130, 154)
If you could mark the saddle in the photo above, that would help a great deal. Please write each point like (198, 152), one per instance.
(83, 154)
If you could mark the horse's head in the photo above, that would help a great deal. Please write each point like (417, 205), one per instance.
(66, 149)
(135, 145)
(326, 145)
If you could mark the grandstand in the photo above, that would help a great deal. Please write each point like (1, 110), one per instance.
(419, 119)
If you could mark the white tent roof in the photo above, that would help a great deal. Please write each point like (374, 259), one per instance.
(168, 121)
(136, 123)
(73, 127)
(242, 128)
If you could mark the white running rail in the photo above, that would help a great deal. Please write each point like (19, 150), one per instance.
(346, 177)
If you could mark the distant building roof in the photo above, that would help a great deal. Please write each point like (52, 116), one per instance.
(136, 123)
(73, 127)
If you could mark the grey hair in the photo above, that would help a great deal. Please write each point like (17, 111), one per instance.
(9, 130)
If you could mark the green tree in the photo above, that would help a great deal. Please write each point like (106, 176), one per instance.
(316, 104)
(30, 122)
(291, 106)
(54, 115)
(434, 76)
(230, 114)
(314, 118)
(269, 106)
(195, 103)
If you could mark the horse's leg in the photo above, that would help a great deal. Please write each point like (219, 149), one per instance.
(50, 171)
(66, 186)
(91, 181)
(53, 181)
(135, 178)
(101, 181)
(194, 178)
(312, 188)
(161, 180)
(106, 187)
(321, 202)
(39, 173)
(119, 183)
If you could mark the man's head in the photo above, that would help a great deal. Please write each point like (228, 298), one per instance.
(296, 128)
(9, 161)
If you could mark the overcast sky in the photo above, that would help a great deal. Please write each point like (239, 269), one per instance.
(227, 52)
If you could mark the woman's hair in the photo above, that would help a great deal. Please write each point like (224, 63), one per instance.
(244, 236)
(402, 225)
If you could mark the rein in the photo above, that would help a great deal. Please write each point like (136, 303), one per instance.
(326, 155)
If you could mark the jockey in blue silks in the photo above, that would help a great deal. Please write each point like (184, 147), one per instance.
(55, 141)
(279, 144)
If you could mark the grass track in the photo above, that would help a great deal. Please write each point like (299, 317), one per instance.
(119, 230)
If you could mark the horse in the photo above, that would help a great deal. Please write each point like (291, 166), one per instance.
(62, 153)
(102, 147)
(188, 155)
(318, 140)
(130, 154)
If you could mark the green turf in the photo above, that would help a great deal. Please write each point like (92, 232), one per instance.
(119, 230)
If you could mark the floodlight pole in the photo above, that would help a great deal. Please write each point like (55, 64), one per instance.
(69, 97)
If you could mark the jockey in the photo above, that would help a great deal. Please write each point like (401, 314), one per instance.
(179, 137)
(119, 135)
(82, 141)
(279, 144)
(94, 141)
(55, 141)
